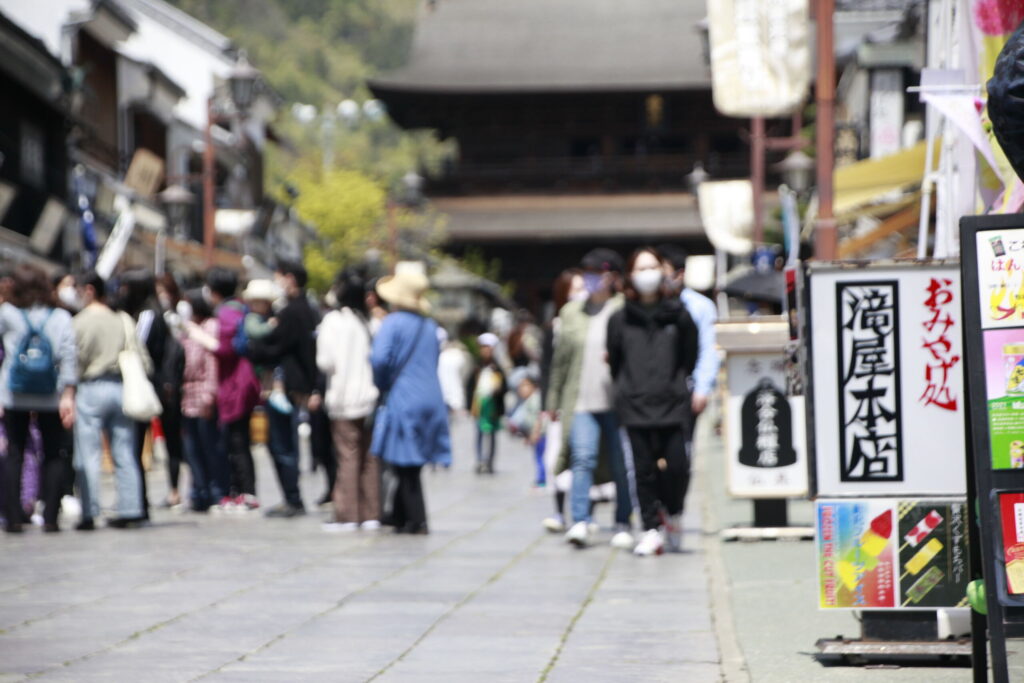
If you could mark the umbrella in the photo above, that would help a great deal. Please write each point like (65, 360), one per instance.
(764, 286)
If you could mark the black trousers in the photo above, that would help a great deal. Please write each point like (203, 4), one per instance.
(660, 487)
(243, 470)
(322, 445)
(410, 513)
(53, 469)
(140, 442)
(173, 436)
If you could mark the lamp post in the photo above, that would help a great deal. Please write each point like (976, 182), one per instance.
(242, 81)
(797, 170)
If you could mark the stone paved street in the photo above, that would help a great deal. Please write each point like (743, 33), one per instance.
(487, 596)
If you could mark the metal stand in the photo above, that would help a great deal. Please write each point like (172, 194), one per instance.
(771, 523)
(893, 635)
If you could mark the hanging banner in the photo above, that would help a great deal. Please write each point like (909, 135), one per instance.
(765, 437)
(887, 379)
(760, 56)
(887, 553)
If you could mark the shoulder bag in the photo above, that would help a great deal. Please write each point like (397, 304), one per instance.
(139, 400)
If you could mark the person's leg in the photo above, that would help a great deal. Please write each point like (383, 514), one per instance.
(53, 466)
(123, 449)
(369, 481)
(193, 447)
(585, 441)
(412, 499)
(88, 448)
(16, 422)
(213, 455)
(345, 495)
(323, 452)
(140, 443)
(244, 480)
(284, 450)
(479, 447)
(645, 466)
(538, 457)
(492, 446)
(617, 459)
(173, 437)
(398, 514)
(675, 478)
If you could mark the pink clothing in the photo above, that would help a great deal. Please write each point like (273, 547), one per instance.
(199, 386)
(238, 390)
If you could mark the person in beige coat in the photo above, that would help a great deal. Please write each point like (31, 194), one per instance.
(343, 355)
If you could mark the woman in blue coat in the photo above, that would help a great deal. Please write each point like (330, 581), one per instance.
(412, 428)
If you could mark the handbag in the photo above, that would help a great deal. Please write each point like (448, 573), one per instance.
(381, 421)
(139, 400)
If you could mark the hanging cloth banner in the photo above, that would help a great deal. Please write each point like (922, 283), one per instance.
(760, 56)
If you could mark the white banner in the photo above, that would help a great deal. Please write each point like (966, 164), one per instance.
(727, 212)
(765, 435)
(760, 56)
(887, 380)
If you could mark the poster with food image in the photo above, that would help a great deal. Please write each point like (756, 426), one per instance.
(1001, 277)
(885, 553)
(1011, 515)
(1004, 384)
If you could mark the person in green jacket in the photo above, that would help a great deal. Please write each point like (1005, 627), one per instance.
(580, 395)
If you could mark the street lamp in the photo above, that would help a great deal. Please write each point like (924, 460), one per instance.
(242, 82)
(796, 169)
(176, 200)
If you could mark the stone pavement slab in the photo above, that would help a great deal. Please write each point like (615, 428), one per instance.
(488, 595)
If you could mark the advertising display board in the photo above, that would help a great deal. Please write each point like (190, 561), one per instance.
(992, 265)
(765, 435)
(892, 553)
(886, 379)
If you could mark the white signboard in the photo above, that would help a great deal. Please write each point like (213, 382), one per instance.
(887, 380)
(765, 435)
(886, 112)
(760, 56)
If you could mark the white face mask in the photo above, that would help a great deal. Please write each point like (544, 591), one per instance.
(68, 296)
(165, 302)
(647, 281)
(579, 296)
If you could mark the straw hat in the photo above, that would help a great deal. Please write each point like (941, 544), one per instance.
(406, 288)
(261, 290)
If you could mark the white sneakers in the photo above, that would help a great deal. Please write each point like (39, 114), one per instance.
(651, 543)
(622, 538)
(555, 525)
(370, 525)
(580, 533)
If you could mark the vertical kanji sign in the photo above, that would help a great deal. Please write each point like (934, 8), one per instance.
(886, 379)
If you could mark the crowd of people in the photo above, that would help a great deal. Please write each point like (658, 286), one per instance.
(605, 392)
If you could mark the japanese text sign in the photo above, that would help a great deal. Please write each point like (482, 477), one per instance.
(887, 380)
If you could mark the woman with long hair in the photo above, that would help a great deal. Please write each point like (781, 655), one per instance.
(343, 355)
(652, 350)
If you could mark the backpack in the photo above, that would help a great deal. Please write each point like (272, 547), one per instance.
(240, 340)
(33, 370)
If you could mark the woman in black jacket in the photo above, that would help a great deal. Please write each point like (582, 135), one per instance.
(652, 349)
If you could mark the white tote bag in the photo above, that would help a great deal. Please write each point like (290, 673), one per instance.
(138, 400)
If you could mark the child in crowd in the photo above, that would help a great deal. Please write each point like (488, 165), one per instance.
(488, 403)
(525, 421)
(259, 296)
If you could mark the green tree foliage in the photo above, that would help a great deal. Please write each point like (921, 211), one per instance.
(320, 52)
(348, 207)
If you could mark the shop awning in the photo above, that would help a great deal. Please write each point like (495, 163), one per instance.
(878, 181)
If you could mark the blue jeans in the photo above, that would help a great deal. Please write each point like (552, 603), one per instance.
(206, 461)
(98, 410)
(284, 448)
(585, 443)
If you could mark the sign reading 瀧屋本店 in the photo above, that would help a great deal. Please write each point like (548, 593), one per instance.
(886, 379)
